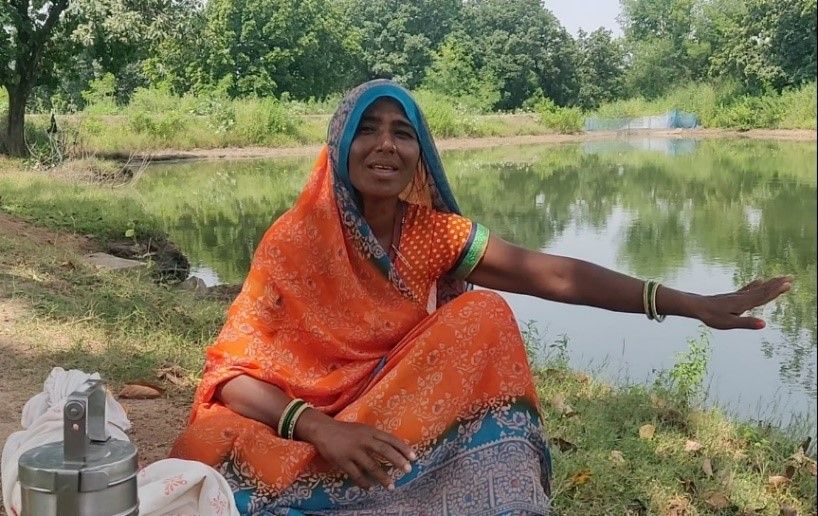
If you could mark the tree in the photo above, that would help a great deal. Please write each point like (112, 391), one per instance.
(27, 32)
(268, 47)
(524, 48)
(600, 68)
(765, 44)
(398, 38)
(664, 45)
(43, 40)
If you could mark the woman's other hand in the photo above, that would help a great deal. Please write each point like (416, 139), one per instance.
(724, 311)
(361, 451)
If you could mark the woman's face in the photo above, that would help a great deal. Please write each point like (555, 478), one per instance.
(384, 153)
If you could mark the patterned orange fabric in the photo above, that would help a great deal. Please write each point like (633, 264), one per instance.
(430, 244)
(316, 319)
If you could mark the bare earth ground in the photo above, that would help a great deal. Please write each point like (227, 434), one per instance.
(494, 141)
(156, 423)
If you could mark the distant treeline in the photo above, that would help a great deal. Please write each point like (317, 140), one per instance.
(494, 54)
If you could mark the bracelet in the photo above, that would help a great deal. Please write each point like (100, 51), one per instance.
(646, 286)
(649, 289)
(296, 414)
(286, 414)
(653, 311)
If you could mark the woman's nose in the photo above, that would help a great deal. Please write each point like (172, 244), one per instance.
(386, 142)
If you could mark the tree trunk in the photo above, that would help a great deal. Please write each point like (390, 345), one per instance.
(15, 128)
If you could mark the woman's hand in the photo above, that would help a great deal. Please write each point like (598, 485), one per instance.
(724, 311)
(361, 451)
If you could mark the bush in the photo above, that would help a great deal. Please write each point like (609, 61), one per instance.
(798, 108)
(257, 120)
(565, 120)
(446, 116)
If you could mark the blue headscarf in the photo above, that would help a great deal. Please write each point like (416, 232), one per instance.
(429, 184)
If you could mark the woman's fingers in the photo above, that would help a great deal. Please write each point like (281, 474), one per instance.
(396, 443)
(355, 474)
(373, 470)
(391, 455)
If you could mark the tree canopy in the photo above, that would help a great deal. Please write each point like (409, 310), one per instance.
(498, 53)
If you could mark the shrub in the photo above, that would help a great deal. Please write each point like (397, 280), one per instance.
(565, 120)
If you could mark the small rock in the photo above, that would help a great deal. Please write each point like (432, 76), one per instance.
(109, 262)
(196, 285)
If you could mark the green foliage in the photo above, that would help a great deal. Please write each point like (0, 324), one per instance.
(600, 68)
(566, 120)
(724, 106)
(453, 72)
(100, 97)
(523, 48)
(398, 38)
(446, 116)
(685, 380)
(268, 47)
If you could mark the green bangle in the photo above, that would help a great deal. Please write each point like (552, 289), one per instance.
(294, 419)
(286, 415)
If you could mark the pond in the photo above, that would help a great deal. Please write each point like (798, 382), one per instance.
(700, 215)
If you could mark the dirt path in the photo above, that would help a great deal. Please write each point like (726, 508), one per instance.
(477, 143)
(155, 423)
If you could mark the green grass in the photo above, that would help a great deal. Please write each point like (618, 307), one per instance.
(127, 327)
(155, 120)
(698, 461)
(724, 107)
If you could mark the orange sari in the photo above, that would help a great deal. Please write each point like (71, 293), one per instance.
(321, 318)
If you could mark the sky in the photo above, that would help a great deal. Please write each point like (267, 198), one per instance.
(587, 15)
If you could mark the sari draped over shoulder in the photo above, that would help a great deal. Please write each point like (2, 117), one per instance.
(325, 315)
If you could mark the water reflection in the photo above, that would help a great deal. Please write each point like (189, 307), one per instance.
(705, 215)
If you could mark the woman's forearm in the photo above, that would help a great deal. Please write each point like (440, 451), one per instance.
(568, 280)
(265, 403)
(580, 282)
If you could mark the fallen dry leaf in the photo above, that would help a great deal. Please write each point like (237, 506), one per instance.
(647, 431)
(617, 457)
(692, 446)
(777, 481)
(135, 391)
(173, 374)
(580, 478)
(717, 501)
(707, 467)
(813, 469)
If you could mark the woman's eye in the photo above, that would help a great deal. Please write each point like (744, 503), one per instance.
(406, 135)
(366, 129)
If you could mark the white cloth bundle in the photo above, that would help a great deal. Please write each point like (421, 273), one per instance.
(169, 486)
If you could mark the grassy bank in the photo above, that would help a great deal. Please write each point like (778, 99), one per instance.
(638, 449)
(155, 120)
(723, 107)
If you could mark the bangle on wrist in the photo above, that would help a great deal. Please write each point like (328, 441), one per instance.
(649, 300)
(289, 417)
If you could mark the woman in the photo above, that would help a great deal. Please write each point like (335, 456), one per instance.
(357, 375)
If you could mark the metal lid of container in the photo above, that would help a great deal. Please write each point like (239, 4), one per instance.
(106, 464)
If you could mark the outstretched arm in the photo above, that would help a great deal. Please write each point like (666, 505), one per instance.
(557, 278)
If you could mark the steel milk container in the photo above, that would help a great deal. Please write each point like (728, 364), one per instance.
(88, 473)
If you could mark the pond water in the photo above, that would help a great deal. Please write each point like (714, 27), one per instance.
(700, 215)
